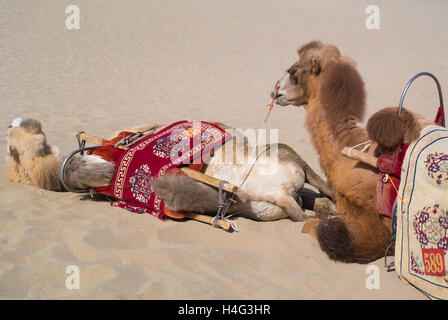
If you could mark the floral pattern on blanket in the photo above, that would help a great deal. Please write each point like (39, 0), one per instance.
(430, 228)
(178, 142)
(437, 166)
(140, 183)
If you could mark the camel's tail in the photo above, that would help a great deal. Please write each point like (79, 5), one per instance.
(347, 241)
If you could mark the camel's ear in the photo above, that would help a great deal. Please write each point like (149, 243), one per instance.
(390, 129)
(316, 63)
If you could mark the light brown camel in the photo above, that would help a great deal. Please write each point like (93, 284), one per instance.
(31, 160)
(266, 194)
(332, 92)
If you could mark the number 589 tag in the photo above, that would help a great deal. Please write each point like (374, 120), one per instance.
(434, 260)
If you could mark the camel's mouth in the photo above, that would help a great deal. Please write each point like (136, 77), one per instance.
(287, 92)
(282, 100)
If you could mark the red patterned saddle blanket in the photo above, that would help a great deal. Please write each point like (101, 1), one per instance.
(182, 143)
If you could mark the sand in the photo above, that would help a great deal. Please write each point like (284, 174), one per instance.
(136, 62)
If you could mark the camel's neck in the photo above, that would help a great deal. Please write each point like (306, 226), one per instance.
(330, 142)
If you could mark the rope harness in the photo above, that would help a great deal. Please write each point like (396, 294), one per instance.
(223, 207)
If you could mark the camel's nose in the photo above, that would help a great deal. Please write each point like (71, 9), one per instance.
(276, 94)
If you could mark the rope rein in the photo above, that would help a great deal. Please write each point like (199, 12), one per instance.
(224, 203)
(271, 105)
(366, 145)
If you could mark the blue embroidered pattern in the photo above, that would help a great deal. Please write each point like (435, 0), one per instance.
(140, 182)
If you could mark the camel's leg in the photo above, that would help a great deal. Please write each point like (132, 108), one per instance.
(310, 227)
(88, 171)
(284, 201)
(182, 193)
(288, 154)
(316, 181)
(263, 211)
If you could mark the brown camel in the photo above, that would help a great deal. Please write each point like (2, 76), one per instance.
(332, 92)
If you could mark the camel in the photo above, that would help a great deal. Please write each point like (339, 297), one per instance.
(332, 92)
(262, 196)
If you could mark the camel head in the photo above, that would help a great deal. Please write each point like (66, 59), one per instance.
(301, 81)
(25, 139)
(31, 159)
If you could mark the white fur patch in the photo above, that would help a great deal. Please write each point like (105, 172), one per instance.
(16, 122)
(55, 151)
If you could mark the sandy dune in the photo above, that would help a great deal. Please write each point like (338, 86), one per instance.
(136, 62)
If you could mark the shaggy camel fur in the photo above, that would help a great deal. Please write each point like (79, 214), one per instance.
(390, 130)
(31, 159)
(263, 197)
(332, 92)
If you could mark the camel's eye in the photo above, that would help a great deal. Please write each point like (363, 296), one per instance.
(13, 153)
(303, 68)
(292, 75)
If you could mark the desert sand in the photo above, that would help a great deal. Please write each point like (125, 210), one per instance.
(137, 62)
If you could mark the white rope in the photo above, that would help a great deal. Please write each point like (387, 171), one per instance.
(366, 145)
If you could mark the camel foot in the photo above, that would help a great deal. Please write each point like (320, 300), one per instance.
(310, 227)
(325, 208)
